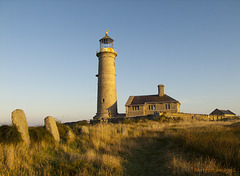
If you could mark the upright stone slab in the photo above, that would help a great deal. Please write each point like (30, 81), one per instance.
(20, 121)
(51, 126)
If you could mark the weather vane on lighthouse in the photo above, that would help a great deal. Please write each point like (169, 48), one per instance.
(107, 32)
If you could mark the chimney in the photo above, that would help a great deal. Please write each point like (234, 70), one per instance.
(161, 90)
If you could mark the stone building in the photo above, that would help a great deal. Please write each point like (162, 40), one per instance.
(151, 104)
(107, 91)
(225, 113)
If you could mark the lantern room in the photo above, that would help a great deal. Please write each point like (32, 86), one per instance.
(106, 44)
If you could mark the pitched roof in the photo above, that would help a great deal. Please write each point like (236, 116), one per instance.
(226, 112)
(129, 101)
(138, 100)
(218, 111)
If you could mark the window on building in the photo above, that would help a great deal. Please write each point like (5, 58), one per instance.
(135, 108)
(167, 106)
(103, 100)
(152, 107)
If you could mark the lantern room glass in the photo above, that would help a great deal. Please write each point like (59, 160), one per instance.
(106, 42)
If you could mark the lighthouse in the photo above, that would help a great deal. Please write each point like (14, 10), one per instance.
(107, 91)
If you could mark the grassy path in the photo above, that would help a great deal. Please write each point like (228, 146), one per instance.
(150, 159)
(156, 156)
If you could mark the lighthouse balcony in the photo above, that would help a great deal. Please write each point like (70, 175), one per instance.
(107, 50)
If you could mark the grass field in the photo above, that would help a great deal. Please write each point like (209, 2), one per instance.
(148, 148)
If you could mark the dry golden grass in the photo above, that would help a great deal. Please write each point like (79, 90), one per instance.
(149, 148)
(180, 164)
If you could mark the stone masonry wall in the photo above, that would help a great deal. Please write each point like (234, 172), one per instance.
(107, 91)
(191, 116)
(144, 109)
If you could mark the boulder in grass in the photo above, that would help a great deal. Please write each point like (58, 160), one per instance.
(83, 130)
(70, 136)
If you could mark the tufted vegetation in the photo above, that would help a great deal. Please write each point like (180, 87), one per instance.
(9, 135)
(149, 148)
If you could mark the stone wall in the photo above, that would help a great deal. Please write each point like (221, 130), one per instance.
(184, 116)
(162, 108)
(144, 110)
(130, 112)
(191, 116)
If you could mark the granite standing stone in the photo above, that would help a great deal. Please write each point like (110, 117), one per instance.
(20, 121)
(51, 126)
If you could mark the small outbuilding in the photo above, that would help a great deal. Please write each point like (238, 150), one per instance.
(151, 104)
(225, 113)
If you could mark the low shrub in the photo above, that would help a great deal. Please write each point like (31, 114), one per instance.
(69, 167)
(39, 134)
(83, 123)
(143, 120)
(9, 135)
(165, 119)
(126, 121)
(78, 123)
(63, 129)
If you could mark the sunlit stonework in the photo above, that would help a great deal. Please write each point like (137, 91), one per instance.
(107, 91)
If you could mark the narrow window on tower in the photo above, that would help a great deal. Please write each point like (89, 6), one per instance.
(103, 100)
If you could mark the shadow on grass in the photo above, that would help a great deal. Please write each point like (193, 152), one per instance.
(149, 158)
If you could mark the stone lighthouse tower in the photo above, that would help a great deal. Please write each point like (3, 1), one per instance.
(107, 91)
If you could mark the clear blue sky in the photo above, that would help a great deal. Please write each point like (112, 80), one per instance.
(48, 57)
